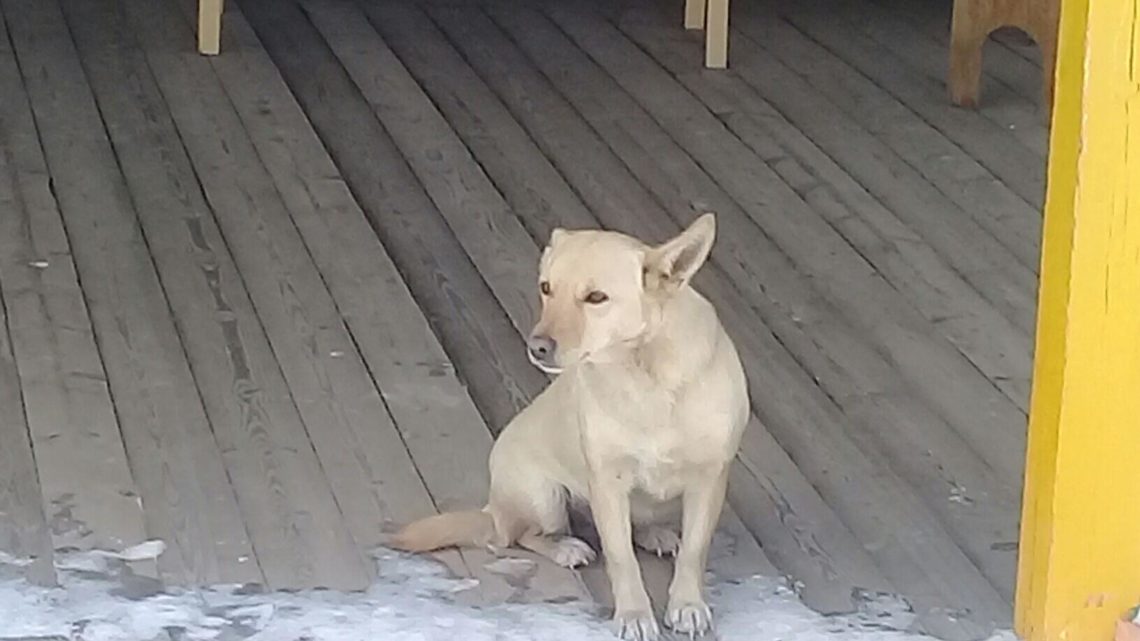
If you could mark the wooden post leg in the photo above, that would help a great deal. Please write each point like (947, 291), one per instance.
(968, 35)
(210, 26)
(973, 22)
(1046, 37)
(695, 14)
(716, 35)
(1048, 71)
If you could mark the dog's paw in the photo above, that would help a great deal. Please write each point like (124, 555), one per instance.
(660, 540)
(572, 552)
(693, 619)
(636, 625)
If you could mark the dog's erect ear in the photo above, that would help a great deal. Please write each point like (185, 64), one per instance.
(671, 266)
(556, 235)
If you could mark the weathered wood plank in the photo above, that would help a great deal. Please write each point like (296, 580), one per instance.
(616, 115)
(995, 146)
(472, 327)
(24, 534)
(532, 183)
(439, 429)
(734, 234)
(402, 107)
(334, 395)
(1003, 190)
(293, 517)
(897, 252)
(487, 228)
(744, 552)
(187, 500)
(891, 423)
(974, 252)
(24, 530)
(471, 44)
(805, 540)
(932, 283)
(1012, 58)
(641, 171)
(412, 371)
(439, 423)
(937, 372)
(93, 501)
(960, 314)
(1006, 148)
(1021, 116)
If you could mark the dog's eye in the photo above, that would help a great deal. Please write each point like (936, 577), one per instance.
(596, 297)
(544, 287)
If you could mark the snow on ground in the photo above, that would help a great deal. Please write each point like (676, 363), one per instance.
(413, 601)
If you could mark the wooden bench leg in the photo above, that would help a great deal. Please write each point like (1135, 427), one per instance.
(694, 14)
(975, 20)
(210, 26)
(1047, 40)
(968, 34)
(716, 35)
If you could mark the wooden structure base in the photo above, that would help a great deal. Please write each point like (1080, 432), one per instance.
(975, 20)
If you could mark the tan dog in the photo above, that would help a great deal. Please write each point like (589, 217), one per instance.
(642, 423)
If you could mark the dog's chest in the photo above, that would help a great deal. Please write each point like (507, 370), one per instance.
(662, 471)
(656, 461)
(641, 433)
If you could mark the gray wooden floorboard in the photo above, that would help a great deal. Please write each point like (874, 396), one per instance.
(1009, 57)
(994, 146)
(578, 83)
(379, 196)
(985, 263)
(24, 532)
(937, 372)
(24, 536)
(1003, 356)
(396, 27)
(472, 327)
(440, 426)
(444, 165)
(485, 226)
(1020, 115)
(355, 211)
(807, 538)
(920, 125)
(293, 517)
(898, 252)
(887, 422)
(93, 501)
(532, 186)
(187, 500)
(549, 55)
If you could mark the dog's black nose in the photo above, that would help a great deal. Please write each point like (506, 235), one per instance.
(541, 348)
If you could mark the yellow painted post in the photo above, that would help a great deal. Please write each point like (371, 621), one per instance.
(1079, 567)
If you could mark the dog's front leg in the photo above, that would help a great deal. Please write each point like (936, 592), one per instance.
(609, 502)
(702, 502)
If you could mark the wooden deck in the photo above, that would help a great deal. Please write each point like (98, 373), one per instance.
(266, 305)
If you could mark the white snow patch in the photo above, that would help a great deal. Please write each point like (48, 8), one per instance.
(412, 601)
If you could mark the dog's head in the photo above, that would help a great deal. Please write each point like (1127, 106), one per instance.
(603, 291)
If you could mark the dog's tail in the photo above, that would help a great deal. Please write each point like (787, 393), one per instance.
(470, 528)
